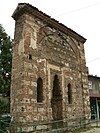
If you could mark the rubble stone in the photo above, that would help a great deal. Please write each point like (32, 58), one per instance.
(43, 49)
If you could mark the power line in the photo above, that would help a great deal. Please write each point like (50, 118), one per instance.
(76, 10)
(93, 60)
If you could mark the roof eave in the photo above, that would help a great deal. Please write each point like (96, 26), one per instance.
(27, 8)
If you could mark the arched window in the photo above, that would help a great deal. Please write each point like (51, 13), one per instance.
(69, 94)
(39, 90)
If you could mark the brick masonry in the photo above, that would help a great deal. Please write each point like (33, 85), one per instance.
(53, 52)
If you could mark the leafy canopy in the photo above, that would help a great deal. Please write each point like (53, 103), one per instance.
(5, 62)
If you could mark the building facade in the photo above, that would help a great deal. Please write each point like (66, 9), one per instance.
(94, 91)
(49, 73)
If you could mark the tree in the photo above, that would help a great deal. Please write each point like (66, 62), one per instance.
(5, 62)
(4, 106)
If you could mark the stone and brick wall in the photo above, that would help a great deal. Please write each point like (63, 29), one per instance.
(41, 50)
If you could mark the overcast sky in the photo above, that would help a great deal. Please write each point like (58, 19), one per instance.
(82, 16)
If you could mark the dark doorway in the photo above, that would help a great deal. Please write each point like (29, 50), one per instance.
(56, 101)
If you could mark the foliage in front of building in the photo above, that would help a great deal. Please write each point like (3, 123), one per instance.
(4, 106)
(5, 68)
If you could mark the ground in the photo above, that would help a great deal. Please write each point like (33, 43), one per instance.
(94, 130)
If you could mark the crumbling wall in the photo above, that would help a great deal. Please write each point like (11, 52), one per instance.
(40, 50)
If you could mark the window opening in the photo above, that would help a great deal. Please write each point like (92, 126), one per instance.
(69, 94)
(39, 90)
(30, 57)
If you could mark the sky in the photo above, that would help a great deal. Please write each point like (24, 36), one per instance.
(82, 16)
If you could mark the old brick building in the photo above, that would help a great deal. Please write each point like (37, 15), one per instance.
(49, 74)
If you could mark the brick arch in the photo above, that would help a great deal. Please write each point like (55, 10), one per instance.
(43, 33)
(74, 47)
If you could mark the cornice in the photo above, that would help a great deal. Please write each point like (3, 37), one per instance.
(27, 8)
